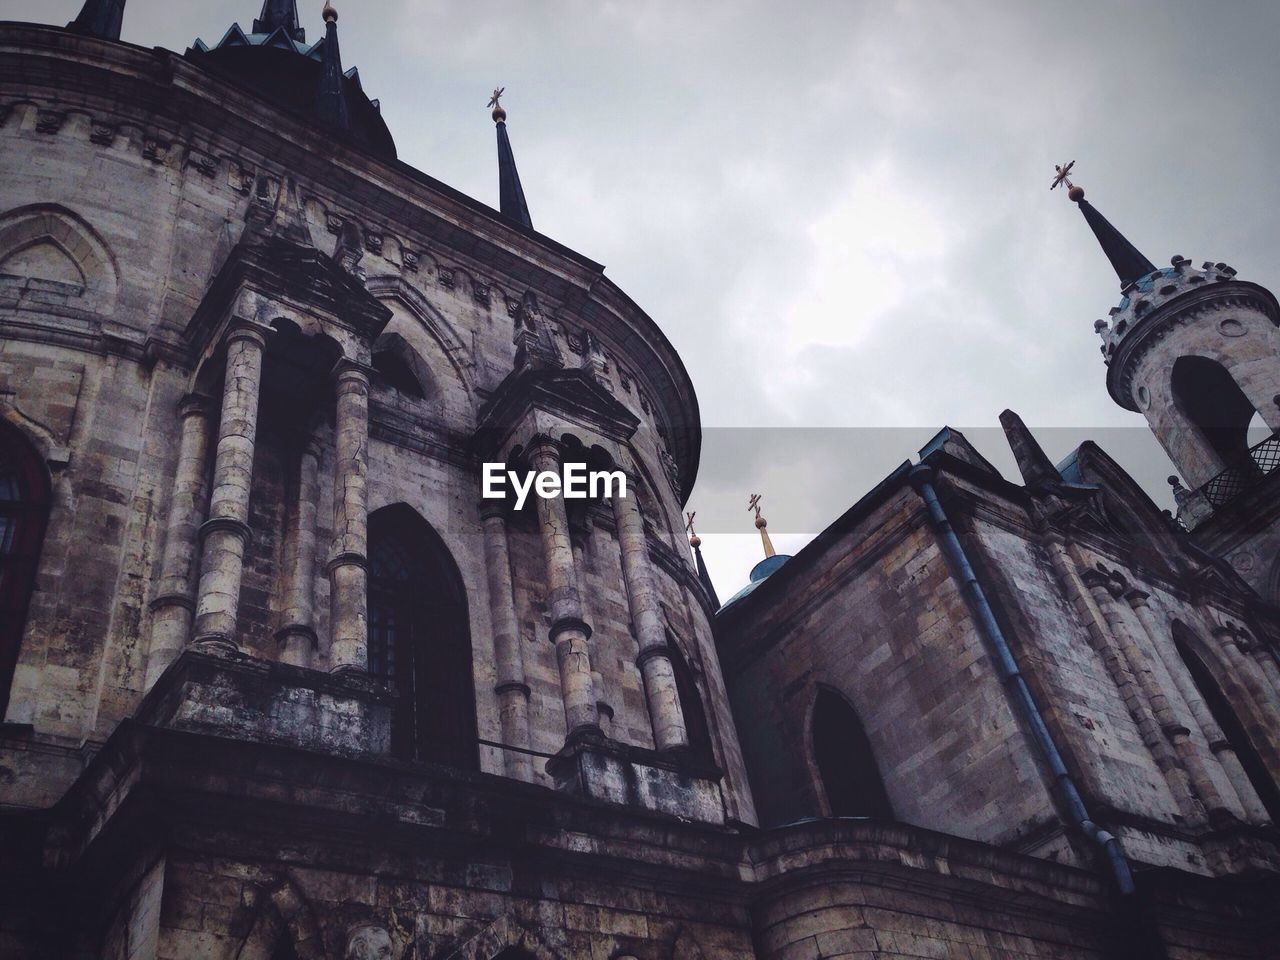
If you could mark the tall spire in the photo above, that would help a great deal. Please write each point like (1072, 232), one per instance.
(1127, 260)
(1035, 466)
(762, 525)
(331, 101)
(279, 13)
(99, 18)
(511, 201)
(704, 577)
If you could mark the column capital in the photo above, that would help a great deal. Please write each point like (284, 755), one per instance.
(491, 509)
(544, 446)
(347, 559)
(1137, 598)
(195, 405)
(1094, 579)
(242, 329)
(347, 370)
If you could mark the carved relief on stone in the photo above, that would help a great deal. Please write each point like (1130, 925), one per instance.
(103, 134)
(410, 260)
(373, 242)
(368, 942)
(155, 150)
(445, 278)
(240, 179)
(333, 223)
(49, 121)
(205, 163)
(480, 293)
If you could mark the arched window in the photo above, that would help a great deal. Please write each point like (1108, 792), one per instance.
(1210, 398)
(695, 718)
(845, 762)
(1220, 707)
(24, 507)
(396, 373)
(419, 639)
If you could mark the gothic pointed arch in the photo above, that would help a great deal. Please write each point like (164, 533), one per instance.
(1228, 704)
(50, 242)
(450, 340)
(283, 925)
(850, 778)
(420, 639)
(402, 368)
(24, 512)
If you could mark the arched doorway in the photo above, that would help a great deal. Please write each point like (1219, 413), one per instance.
(1220, 708)
(845, 762)
(419, 639)
(24, 510)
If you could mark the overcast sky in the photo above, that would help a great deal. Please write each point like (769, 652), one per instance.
(839, 212)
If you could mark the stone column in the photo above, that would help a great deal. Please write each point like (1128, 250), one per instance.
(174, 604)
(569, 631)
(510, 686)
(1267, 661)
(297, 634)
(1169, 709)
(652, 657)
(226, 532)
(1138, 690)
(348, 564)
(1262, 722)
(1221, 748)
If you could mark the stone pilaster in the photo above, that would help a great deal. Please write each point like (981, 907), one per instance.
(297, 633)
(1169, 709)
(569, 630)
(1252, 704)
(226, 532)
(652, 657)
(174, 604)
(1133, 677)
(509, 681)
(348, 564)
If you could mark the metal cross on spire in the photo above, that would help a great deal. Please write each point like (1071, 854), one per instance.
(497, 95)
(1063, 176)
(688, 523)
(754, 504)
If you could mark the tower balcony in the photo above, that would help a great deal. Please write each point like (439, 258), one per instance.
(1253, 468)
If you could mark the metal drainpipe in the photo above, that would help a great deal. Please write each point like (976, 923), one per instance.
(921, 477)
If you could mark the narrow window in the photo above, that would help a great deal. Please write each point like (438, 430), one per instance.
(1220, 707)
(845, 762)
(397, 374)
(695, 718)
(24, 507)
(419, 640)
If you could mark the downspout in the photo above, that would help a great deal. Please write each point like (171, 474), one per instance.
(921, 477)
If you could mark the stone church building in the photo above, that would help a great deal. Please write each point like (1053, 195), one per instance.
(278, 684)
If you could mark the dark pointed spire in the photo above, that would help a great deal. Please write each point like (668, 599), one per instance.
(279, 13)
(511, 200)
(704, 577)
(99, 18)
(1126, 259)
(1034, 465)
(331, 101)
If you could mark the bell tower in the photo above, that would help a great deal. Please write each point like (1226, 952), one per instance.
(1196, 351)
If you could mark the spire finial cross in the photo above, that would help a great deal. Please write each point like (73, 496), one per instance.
(688, 523)
(497, 95)
(1063, 176)
(754, 504)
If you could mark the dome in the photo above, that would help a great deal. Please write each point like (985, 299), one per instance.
(759, 573)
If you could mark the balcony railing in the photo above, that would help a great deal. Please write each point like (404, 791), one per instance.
(1252, 469)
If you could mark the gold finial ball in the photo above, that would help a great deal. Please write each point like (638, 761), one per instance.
(695, 541)
(1076, 193)
(761, 523)
(330, 13)
(499, 115)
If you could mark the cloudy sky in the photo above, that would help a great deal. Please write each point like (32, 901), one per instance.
(839, 212)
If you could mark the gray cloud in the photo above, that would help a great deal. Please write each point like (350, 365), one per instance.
(839, 212)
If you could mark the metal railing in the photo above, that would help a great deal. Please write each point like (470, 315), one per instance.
(1251, 470)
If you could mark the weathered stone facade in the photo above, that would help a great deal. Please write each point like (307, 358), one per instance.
(281, 685)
